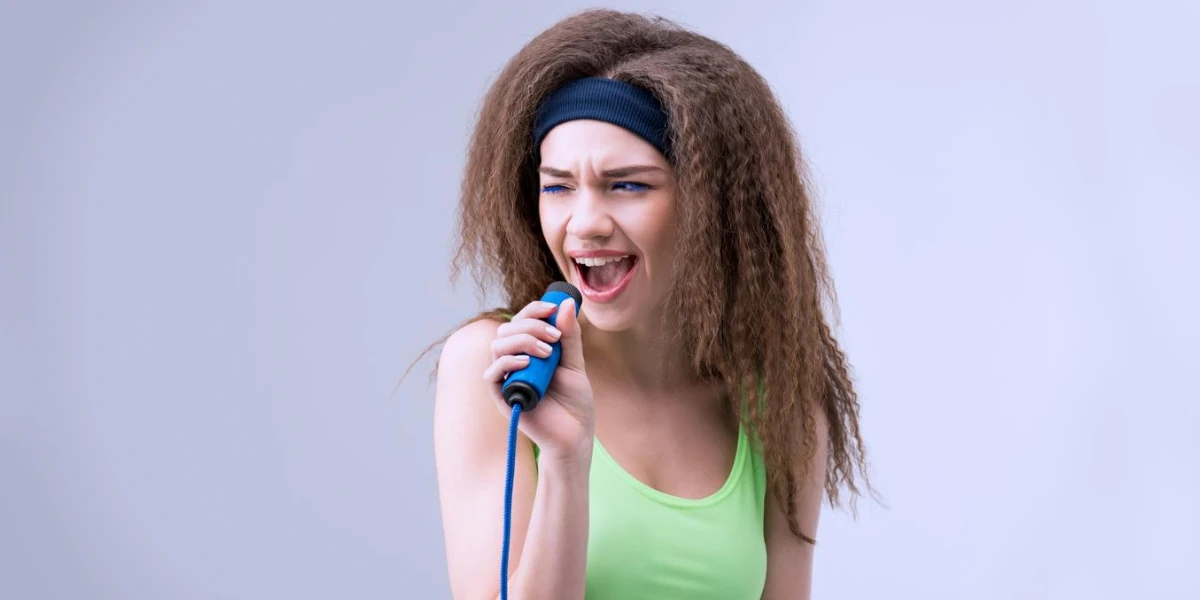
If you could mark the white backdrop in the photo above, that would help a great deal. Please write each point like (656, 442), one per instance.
(224, 232)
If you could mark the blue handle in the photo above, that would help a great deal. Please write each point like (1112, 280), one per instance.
(528, 385)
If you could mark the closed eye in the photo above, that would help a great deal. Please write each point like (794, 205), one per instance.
(634, 186)
(629, 186)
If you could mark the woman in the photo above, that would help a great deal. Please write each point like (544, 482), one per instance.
(701, 409)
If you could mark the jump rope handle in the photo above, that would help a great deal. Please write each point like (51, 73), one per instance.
(522, 391)
(527, 386)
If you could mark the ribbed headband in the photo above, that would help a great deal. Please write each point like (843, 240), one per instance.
(617, 102)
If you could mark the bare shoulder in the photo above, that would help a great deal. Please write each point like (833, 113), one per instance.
(464, 404)
(468, 347)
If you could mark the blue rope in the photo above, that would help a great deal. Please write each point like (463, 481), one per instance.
(508, 487)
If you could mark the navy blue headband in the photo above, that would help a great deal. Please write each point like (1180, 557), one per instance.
(617, 102)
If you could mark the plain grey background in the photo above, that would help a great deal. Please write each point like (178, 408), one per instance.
(225, 231)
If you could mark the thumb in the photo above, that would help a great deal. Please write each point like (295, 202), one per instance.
(572, 342)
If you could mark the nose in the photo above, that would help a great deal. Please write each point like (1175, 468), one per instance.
(589, 216)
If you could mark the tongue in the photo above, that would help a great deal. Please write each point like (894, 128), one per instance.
(608, 276)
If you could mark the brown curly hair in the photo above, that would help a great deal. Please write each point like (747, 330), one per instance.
(750, 313)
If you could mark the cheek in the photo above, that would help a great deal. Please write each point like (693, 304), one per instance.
(553, 229)
(664, 220)
(656, 232)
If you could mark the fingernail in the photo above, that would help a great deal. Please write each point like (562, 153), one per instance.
(548, 305)
(553, 331)
(544, 346)
(523, 358)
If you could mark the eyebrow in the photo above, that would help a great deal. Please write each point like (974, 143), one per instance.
(611, 173)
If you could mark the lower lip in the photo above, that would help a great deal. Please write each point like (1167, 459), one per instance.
(610, 294)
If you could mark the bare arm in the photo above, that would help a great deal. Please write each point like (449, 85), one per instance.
(548, 550)
(789, 558)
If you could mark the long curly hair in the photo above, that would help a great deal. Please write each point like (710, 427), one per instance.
(751, 312)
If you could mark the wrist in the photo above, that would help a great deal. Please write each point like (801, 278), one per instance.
(575, 457)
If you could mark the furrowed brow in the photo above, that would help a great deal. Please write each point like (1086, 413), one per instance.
(610, 173)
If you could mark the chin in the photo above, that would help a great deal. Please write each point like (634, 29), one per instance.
(608, 318)
(633, 312)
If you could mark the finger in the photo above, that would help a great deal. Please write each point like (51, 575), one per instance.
(535, 327)
(521, 343)
(535, 310)
(505, 365)
(572, 343)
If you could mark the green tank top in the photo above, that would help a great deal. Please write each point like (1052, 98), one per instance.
(645, 544)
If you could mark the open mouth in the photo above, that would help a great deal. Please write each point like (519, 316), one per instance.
(604, 278)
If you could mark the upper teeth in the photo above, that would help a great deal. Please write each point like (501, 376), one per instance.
(599, 261)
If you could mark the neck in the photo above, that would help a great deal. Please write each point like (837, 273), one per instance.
(640, 356)
(639, 369)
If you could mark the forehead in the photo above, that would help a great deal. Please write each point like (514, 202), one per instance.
(597, 141)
